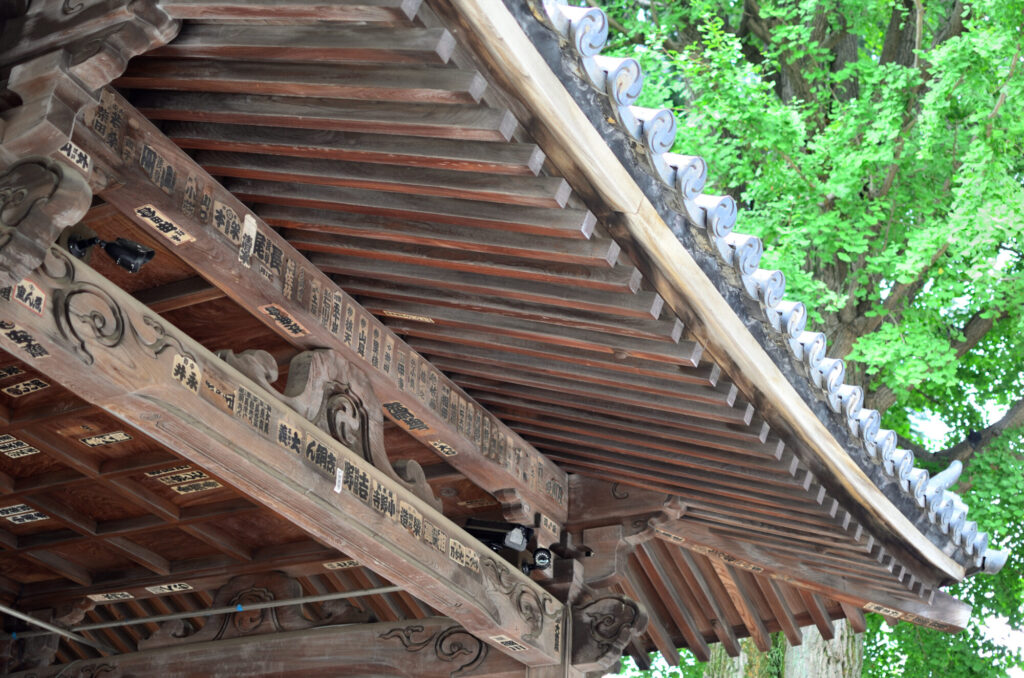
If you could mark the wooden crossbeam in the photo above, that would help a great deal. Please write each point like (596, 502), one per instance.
(168, 194)
(429, 648)
(319, 42)
(99, 342)
(370, 11)
(438, 85)
(297, 558)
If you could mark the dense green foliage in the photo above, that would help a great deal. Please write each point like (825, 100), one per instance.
(878, 149)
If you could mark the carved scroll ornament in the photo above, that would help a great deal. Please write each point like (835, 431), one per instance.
(533, 608)
(453, 644)
(249, 590)
(338, 398)
(39, 198)
(601, 629)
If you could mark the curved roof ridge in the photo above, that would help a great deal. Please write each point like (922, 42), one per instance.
(620, 79)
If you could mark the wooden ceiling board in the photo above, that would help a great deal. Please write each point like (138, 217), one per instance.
(174, 544)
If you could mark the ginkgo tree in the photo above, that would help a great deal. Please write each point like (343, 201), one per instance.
(877, 147)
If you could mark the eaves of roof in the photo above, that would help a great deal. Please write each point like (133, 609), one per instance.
(550, 53)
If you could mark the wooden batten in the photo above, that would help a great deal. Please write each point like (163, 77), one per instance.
(435, 121)
(860, 590)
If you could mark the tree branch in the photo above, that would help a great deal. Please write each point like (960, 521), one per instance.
(974, 331)
(978, 440)
(908, 444)
(1002, 94)
(900, 295)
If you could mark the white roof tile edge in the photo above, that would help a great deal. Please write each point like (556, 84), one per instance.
(621, 80)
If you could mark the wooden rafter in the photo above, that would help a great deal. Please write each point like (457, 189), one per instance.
(287, 287)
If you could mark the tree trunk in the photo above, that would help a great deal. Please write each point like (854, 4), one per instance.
(842, 657)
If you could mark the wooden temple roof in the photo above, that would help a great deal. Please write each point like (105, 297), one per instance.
(460, 203)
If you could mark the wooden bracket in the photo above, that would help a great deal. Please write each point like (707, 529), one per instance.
(38, 199)
(611, 545)
(602, 627)
(59, 54)
(338, 398)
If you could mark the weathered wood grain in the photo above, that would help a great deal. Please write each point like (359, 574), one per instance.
(566, 223)
(664, 349)
(524, 190)
(701, 588)
(432, 85)
(372, 11)
(147, 365)
(525, 299)
(945, 612)
(676, 406)
(581, 418)
(310, 310)
(670, 590)
(741, 598)
(432, 648)
(438, 121)
(771, 588)
(533, 400)
(512, 158)
(594, 374)
(317, 43)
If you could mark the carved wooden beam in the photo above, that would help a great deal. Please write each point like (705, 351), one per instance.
(38, 199)
(602, 626)
(942, 612)
(72, 324)
(164, 191)
(59, 52)
(435, 647)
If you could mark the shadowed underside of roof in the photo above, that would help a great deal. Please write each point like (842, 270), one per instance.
(584, 32)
